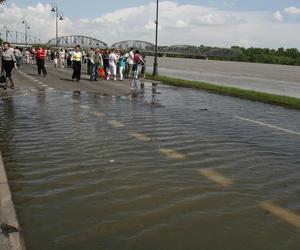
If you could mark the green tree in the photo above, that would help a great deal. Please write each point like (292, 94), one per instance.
(281, 52)
(293, 53)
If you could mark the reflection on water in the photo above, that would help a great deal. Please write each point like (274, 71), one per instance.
(81, 183)
(7, 122)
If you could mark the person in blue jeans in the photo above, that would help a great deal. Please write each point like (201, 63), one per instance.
(121, 65)
(96, 62)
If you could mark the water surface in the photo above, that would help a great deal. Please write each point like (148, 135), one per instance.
(80, 183)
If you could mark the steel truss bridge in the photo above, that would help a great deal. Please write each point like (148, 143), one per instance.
(17, 38)
(149, 48)
(146, 47)
(136, 44)
(73, 40)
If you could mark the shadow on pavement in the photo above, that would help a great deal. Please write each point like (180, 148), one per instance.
(33, 74)
(66, 79)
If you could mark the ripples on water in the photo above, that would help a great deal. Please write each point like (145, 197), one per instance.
(79, 183)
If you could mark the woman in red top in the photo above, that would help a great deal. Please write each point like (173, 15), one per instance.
(40, 61)
(137, 60)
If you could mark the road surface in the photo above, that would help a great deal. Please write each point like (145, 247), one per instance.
(274, 79)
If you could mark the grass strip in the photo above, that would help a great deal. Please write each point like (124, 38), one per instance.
(285, 101)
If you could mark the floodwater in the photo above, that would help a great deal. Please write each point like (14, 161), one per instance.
(270, 78)
(170, 169)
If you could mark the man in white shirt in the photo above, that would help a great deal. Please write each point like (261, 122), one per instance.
(112, 65)
(130, 62)
(62, 57)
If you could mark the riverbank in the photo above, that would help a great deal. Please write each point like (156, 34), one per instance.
(10, 239)
(285, 101)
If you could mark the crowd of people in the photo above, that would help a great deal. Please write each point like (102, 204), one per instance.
(109, 64)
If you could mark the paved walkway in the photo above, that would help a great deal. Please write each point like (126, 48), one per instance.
(13, 240)
(60, 79)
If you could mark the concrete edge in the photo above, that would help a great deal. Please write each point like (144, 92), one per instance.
(7, 211)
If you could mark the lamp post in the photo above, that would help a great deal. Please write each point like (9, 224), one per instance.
(59, 17)
(27, 27)
(6, 33)
(155, 65)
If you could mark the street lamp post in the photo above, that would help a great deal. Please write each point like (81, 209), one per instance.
(6, 33)
(155, 65)
(59, 17)
(27, 27)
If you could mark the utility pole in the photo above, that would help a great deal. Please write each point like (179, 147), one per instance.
(155, 65)
(58, 17)
(6, 33)
(27, 27)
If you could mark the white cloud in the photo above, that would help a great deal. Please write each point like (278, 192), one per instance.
(278, 16)
(40, 19)
(178, 24)
(291, 11)
(181, 24)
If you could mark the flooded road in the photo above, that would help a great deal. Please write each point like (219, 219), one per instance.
(269, 78)
(170, 169)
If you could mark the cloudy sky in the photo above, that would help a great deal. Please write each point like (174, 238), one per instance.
(259, 23)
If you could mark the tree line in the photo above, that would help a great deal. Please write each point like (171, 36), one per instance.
(290, 56)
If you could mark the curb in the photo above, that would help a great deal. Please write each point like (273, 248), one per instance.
(14, 240)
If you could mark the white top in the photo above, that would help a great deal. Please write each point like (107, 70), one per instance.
(62, 55)
(112, 58)
(130, 57)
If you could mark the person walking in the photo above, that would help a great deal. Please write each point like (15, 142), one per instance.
(52, 56)
(33, 56)
(138, 60)
(91, 64)
(112, 65)
(19, 57)
(76, 59)
(90, 54)
(56, 55)
(96, 63)
(27, 56)
(69, 56)
(105, 57)
(40, 61)
(62, 58)
(121, 65)
(8, 63)
(130, 62)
